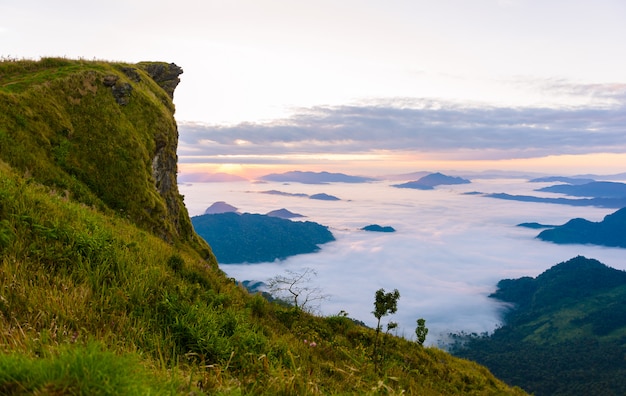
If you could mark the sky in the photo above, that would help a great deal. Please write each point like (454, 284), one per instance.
(364, 86)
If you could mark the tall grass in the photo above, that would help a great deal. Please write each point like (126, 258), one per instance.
(87, 369)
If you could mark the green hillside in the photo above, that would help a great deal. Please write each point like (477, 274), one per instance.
(106, 289)
(566, 332)
(256, 238)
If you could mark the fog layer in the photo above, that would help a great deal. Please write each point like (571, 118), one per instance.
(446, 256)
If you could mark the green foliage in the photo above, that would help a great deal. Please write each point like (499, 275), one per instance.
(421, 331)
(384, 304)
(176, 263)
(103, 289)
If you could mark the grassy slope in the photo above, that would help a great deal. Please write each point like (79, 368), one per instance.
(104, 287)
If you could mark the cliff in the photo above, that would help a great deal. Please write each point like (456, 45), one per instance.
(102, 133)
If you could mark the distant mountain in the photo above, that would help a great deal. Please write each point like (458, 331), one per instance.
(593, 189)
(599, 202)
(488, 174)
(255, 238)
(407, 176)
(432, 180)
(220, 207)
(617, 176)
(315, 177)
(600, 194)
(609, 232)
(535, 225)
(324, 197)
(320, 196)
(283, 214)
(378, 228)
(285, 194)
(568, 180)
(416, 185)
(565, 333)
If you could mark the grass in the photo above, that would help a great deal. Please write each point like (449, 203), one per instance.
(84, 369)
(106, 289)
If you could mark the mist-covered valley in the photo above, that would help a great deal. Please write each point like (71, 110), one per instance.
(450, 247)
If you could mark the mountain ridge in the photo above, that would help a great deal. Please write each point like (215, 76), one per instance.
(430, 181)
(611, 231)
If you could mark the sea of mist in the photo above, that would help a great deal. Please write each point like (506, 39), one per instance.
(448, 252)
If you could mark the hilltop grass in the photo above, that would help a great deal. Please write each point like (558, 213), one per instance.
(96, 299)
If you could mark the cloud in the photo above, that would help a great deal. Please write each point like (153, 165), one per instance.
(424, 126)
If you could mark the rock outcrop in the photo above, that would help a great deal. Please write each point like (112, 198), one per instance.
(166, 75)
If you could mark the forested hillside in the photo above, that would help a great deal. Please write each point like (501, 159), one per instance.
(105, 288)
(256, 238)
(564, 335)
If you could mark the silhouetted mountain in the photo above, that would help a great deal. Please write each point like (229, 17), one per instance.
(315, 177)
(255, 238)
(378, 228)
(593, 189)
(285, 194)
(609, 232)
(283, 214)
(324, 197)
(617, 176)
(220, 207)
(320, 196)
(429, 182)
(599, 202)
(535, 225)
(564, 335)
(568, 180)
(600, 194)
(407, 176)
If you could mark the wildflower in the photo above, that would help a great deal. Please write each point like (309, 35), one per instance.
(313, 344)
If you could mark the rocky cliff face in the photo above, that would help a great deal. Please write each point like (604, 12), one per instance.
(165, 159)
(166, 75)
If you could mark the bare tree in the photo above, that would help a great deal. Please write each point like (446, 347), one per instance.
(296, 286)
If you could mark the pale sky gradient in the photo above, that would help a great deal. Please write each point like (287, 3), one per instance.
(538, 73)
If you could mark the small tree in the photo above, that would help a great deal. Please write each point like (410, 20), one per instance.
(384, 304)
(296, 287)
(421, 331)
